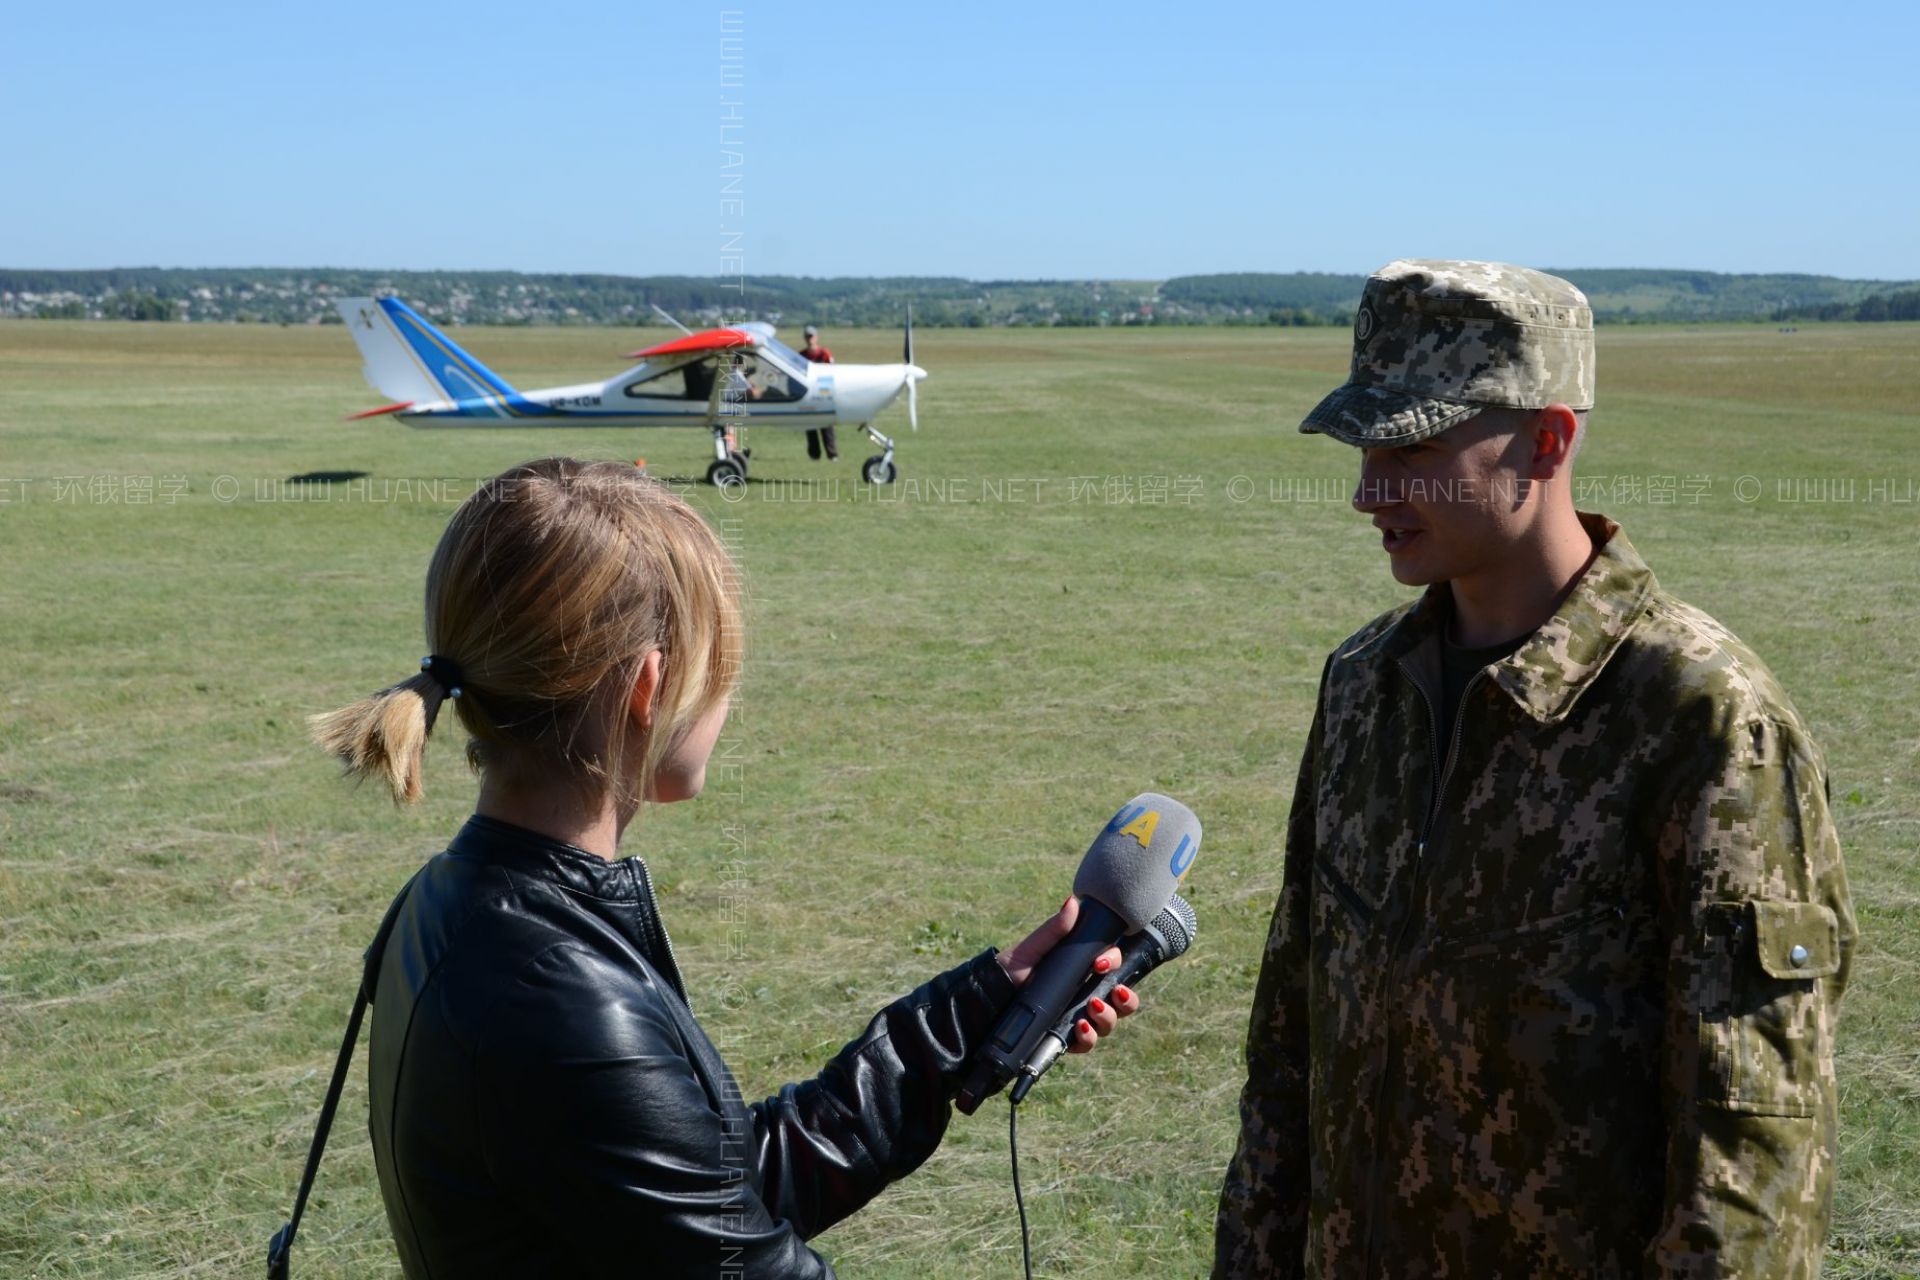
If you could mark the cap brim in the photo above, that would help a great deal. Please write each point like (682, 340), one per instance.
(1369, 417)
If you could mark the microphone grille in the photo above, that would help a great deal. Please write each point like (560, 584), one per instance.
(1178, 925)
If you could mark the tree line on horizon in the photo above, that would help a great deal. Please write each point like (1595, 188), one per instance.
(306, 296)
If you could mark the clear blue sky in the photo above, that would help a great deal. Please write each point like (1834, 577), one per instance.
(980, 140)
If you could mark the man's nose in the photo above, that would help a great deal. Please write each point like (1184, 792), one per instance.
(1374, 492)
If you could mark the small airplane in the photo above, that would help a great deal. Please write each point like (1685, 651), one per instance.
(717, 379)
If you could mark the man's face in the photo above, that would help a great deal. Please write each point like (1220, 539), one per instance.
(1455, 504)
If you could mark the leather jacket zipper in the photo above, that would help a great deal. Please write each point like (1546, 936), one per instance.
(653, 911)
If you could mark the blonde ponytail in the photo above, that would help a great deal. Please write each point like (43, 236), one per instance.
(551, 584)
(385, 735)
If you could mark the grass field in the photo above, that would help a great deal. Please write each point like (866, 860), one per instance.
(1111, 564)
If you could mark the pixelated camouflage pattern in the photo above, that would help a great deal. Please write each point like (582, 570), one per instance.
(1556, 998)
(1435, 342)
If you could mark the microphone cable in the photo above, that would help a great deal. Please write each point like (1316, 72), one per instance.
(1019, 1202)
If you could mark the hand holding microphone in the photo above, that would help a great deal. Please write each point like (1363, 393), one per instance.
(1126, 880)
(1166, 937)
(1021, 959)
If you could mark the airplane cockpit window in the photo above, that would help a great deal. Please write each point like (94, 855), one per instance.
(781, 349)
(767, 382)
(763, 380)
(674, 384)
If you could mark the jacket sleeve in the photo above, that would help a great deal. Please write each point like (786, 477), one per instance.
(1261, 1225)
(616, 1145)
(827, 1146)
(1760, 936)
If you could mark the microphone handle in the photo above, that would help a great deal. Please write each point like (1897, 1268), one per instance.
(1142, 954)
(1049, 991)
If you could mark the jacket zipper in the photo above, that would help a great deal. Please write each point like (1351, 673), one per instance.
(1442, 770)
(653, 910)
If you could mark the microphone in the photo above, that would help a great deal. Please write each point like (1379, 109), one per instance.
(1168, 936)
(1126, 879)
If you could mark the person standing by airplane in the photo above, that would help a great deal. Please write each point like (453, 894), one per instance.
(1551, 984)
(823, 437)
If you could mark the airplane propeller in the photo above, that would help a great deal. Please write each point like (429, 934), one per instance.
(912, 375)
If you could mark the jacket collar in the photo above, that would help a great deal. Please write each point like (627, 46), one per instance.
(530, 853)
(1548, 673)
(624, 884)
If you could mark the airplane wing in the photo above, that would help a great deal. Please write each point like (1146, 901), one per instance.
(706, 340)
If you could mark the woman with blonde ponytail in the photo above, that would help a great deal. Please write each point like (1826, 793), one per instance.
(543, 1102)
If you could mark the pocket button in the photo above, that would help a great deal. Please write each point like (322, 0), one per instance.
(1798, 956)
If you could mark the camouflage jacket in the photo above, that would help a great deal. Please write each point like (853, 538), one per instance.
(1554, 998)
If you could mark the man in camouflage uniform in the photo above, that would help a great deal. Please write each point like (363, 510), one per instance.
(1551, 984)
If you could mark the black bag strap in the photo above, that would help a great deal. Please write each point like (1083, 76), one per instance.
(277, 1260)
(280, 1249)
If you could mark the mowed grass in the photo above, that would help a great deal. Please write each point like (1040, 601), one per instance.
(1110, 565)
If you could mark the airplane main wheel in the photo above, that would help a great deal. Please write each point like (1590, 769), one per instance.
(727, 473)
(877, 470)
(739, 459)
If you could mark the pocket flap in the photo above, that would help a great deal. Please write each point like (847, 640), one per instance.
(1795, 939)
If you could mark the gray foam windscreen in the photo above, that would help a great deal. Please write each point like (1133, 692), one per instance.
(1135, 864)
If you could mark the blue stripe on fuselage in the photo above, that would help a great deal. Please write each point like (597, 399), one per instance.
(489, 407)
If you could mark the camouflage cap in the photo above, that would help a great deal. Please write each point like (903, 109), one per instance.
(1435, 342)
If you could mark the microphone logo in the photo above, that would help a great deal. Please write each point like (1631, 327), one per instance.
(1183, 856)
(1138, 822)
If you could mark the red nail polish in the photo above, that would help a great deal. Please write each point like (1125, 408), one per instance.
(1122, 993)
(1086, 1028)
(1102, 965)
(1096, 1005)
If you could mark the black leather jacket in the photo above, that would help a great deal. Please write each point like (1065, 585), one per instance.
(544, 1104)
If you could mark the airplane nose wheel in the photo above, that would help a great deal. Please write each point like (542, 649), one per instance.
(878, 469)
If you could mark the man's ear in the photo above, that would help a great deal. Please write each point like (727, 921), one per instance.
(1555, 432)
(646, 690)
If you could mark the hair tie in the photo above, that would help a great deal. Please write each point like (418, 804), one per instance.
(445, 673)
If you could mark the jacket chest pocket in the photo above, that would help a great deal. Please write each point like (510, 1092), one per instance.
(1361, 860)
(1354, 911)
(1550, 944)
(1593, 969)
(1330, 880)
(1347, 963)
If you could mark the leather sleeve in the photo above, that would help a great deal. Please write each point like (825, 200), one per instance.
(616, 1146)
(879, 1109)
